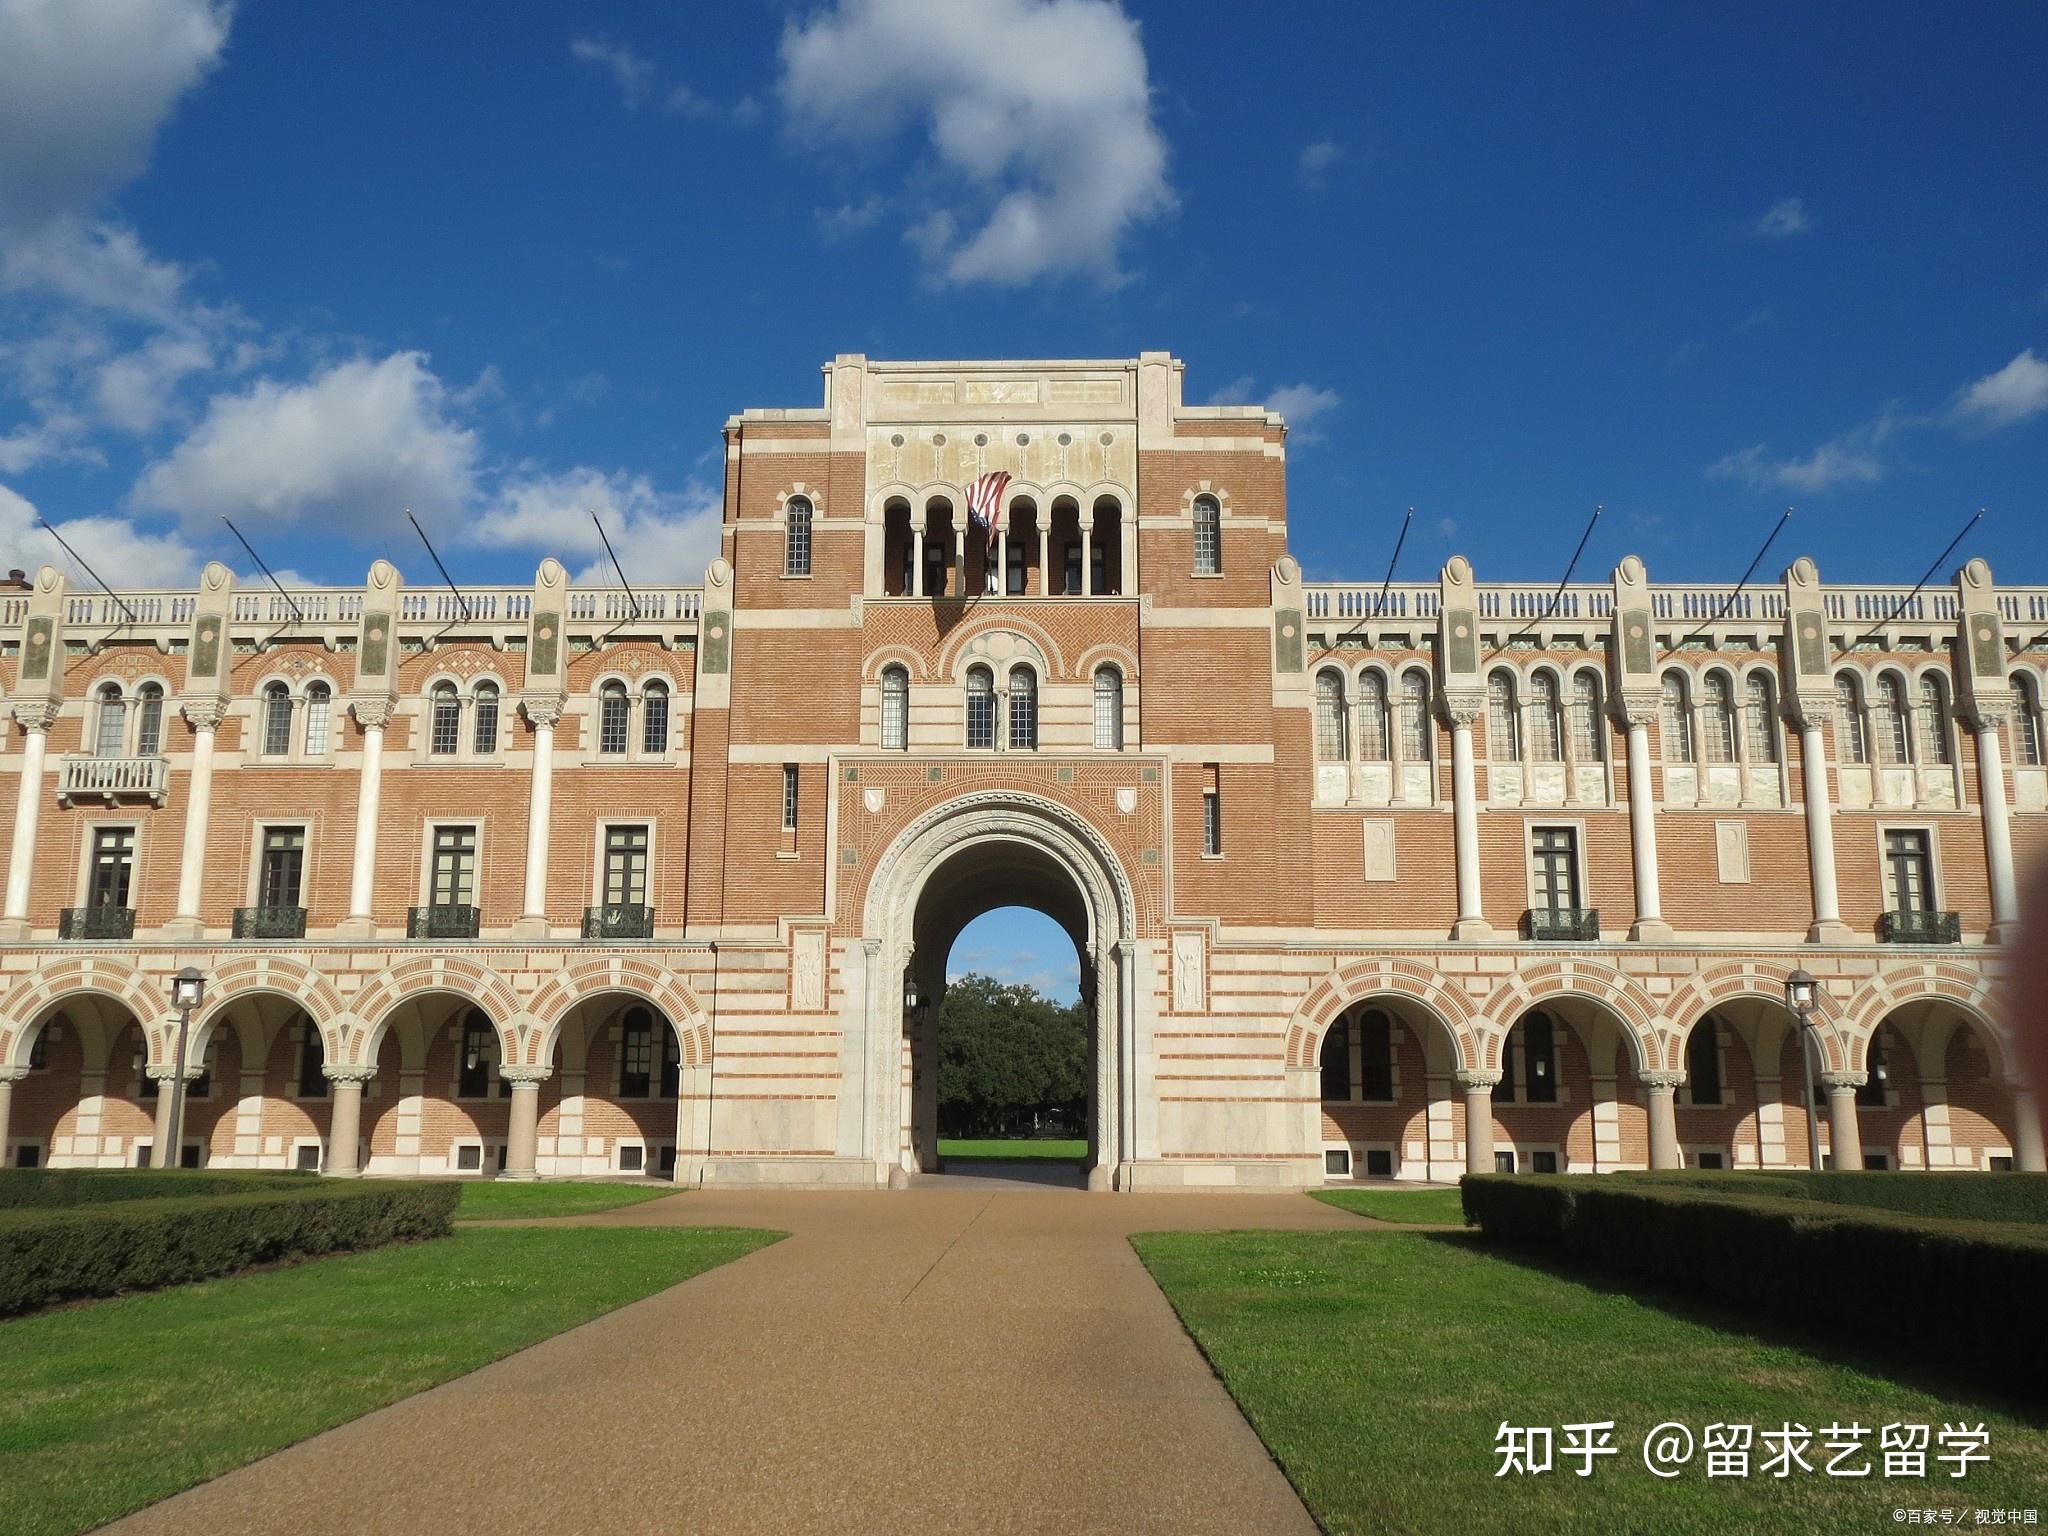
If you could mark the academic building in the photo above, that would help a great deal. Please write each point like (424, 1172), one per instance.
(1403, 880)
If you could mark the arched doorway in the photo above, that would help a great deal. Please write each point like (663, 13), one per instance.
(995, 849)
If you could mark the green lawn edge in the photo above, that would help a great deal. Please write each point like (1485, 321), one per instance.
(113, 1405)
(996, 1150)
(499, 1200)
(1424, 1207)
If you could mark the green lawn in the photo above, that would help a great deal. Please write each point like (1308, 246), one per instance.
(496, 1200)
(1441, 1206)
(1377, 1366)
(1014, 1151)
(115, 1404)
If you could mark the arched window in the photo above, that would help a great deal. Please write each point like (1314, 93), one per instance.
(1760, 717)
(1933, 712)
(1703, 1062)
(1720, 712)
(981, 707)
(1109, 709)
(1375, 1056)
(1023, 708)
(1372, 716)
(1208, 536)
(796, 548)
(895, 708)
(111, 738)
(636, 1054)
(613, 714)
(1336, 1063)
(654, 718)
(1894, 744)
(1503, 720)
(149, 720)
(1675, 720)
(484, 728)
(1589, 740)
(1852, 731)
(277, 720)
(1333, 731)
(1546, 726)
(2026, 724)
(319, 719)
(446, 739)
(1415, 716)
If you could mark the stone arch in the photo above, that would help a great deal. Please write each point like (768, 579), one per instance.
(1340, 990)
(1621, 996)
(893, 655)
(1969, 992)
(1765, 979)
(950, 664)
(369, 1014)
(98, 974)
(280, 976)
(629, 975)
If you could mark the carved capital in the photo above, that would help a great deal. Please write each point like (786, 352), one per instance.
(1634, 708)
(371, 714)
(349, 1072)
(542, 709)
(1986, 713)
(1477, 1077)
(163, 1072)
(9, 1074)
(1462, 706)
(1810, 711)
(1660, 1078)
(521, 1074)
(1832, 1081)
(37, 714)
(204, 714)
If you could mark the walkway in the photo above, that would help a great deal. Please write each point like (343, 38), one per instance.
(938, 1360)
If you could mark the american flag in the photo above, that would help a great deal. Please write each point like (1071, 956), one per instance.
(985, 501)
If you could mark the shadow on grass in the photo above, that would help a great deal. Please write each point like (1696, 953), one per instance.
(1900, 1365)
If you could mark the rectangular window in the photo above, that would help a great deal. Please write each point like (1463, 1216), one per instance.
(1379, 1163)
(1337, 1063)
(281, 867)
(479, 1058)
(469, 1159)
(633, 1157)
(789, 788)
(1376, 1058)
(307, 1158)
(1703, 1063)
(1337, 1162)
(319, 722)
(1503, 1162)
(113, 866)
(625, 866)
(1543, 1162)
(452, 881)
(1910, 869)
(1539, 1059)
(312, 1081)
(1212, 815)
(1071, 583)
(1556, 852)
(1208, 537)
(636, 1059)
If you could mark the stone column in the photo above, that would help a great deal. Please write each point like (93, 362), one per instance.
(2005, 900)
(1002, 581)
(533, 919)
(345, 1117)
(522, 1138)
(916, 561)
(1087, 525)
(1828, 927)
(35, 720)
(9, 1076)
(1642, 824)
(2028, 1154)
(373, 715)
(1846, 1139)
(163, 1076)
(1478, 1083)
(205, 716)
(1471, 922)
(1663, 1089)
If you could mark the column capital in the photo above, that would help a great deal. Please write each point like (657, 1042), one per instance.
(1835, 1082)
(543, 709)
(1462, 706)
(523, 1075)
(1637, 709)
(12, 1074)
(349, 1072)
(372, 714)
(1477, 1077)
(163, 1072)
(37, 715)
(204, 714)
(1810, 711)
(1986, 713)
(1660, 1080)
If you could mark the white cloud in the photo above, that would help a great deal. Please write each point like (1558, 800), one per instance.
(1447, 527)
(1302, 404)
(357, 443)
(123, 554)
(134, 390)
(2012, 394)
(1040, 109)
(1851, 459)
(1783, 219)
(1316, 160)
(1237, 392)
(84, 87)
(660, 537)
(633, 75)
(850, 219)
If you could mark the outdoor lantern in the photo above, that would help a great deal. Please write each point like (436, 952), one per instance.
(1543, 1066)
(910, 998)
(1799, 993)
(188, 987)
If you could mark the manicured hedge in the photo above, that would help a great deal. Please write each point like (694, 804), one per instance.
(51, 1255)
(1956, 1296)
(42, 1188)
(1954, 1196)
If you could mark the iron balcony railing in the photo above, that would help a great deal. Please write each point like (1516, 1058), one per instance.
(618, 920)
(113, 778)
(270, 922)
(1567, 923)
(96, 923)
(1930, 927)
(449, 922)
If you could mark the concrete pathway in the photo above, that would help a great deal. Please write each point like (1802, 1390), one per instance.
(974, 1360)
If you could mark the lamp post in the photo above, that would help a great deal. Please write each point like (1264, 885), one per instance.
(188, 990)
(1799, 991)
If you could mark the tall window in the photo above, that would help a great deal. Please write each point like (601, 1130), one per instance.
(484, 729)
(1546, 730)
(796, 547)
(1894, 744)
(1023, 708)
(479, 1058)
(1503, 720)
(1332, 732)
(636, 1054)
(1703, 1062)
(319, 719)
(281, 867)
(1909, 870)
(2026, 725)
(1415, 716)
(613, 716)
(895, 708)
(1870, 1093)
(1372, 717)
(625, 866)
(1589, 740)
(1109, 709)
(312, 1081)
(452, 873)
(446, 740)
(1376, 1057)
(149, 720)
(1336, 1063)
(1720, 713)
(111, 739)
(112, 867)
(1675, 720)
(1212, 814)
(981, 707)
(1933, 713)
(1208, 536)
(1556, 852)
(1539, 1058)
(1760, 717)
(1852, 731)
(654, 718)
(789, 794)
(277, 720)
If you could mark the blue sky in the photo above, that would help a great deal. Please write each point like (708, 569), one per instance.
(308, 265)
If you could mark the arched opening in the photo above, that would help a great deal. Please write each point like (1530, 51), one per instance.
(1390, 1104)
(1936, 1093)
(271, 1102)
(88, 1100)
(437, 1103)
(1568, 1100)
(611, 1105)
(1716, 1107)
